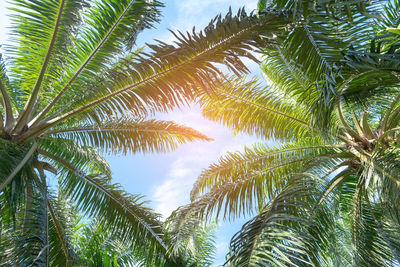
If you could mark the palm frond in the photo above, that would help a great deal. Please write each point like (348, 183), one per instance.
(6, 93)
(167, 76)
(27, 157)
(29, 244)
(191, 240)
(41, 30)
(62, 221)
(370, 246)
(96, 43)
(31, 102)
(84, 157)
(312, 49)
(269, 238)
(99, 247)
(271, 167)
(128, 135)
(116, 209)
(390, 17)
(247, 107)
(286, 231)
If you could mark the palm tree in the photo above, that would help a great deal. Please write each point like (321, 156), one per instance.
(73, 86)
(328, 193)
(96, 245)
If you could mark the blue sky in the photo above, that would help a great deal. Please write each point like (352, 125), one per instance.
(166, 179)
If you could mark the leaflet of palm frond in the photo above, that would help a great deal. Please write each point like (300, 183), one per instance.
(258, 158)
(334, 183)
(32, 42)
(288, 78)
(180, 227)
(313, 236)
(389, 193)
(374, 242)
(126, 135)
(346, 10)
(387, 164)
(389, 16)
(238, 195)
(380, 64)
(116, 209)
(314, 48)
(386, 226)
(251, 108)
(374, 100)
(374, 62)
(7, 103)
(7, 227)
(203, 246)
(114, 74)
(88, 190)
(371, 249)
(100, 247)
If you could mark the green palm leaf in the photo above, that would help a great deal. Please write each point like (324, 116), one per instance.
(247, 107)
(327, 70)
(155, 79)
(127, 135)
(116, 209)
(259, 171)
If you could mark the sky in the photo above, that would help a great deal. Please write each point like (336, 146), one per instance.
(166, 179)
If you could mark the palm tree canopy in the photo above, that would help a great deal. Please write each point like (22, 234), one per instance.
(327, 194)
(72, 86)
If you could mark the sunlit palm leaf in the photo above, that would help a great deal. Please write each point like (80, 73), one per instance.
(126, 135)
(162, 78)
(250, 108)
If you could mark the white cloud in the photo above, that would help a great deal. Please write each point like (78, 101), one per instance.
(174, 190)
(221, 249)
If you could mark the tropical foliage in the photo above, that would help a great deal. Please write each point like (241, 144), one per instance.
(327, 193)
(72, 86)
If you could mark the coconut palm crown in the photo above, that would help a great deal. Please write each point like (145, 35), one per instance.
(73, 86)
(327, 193)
